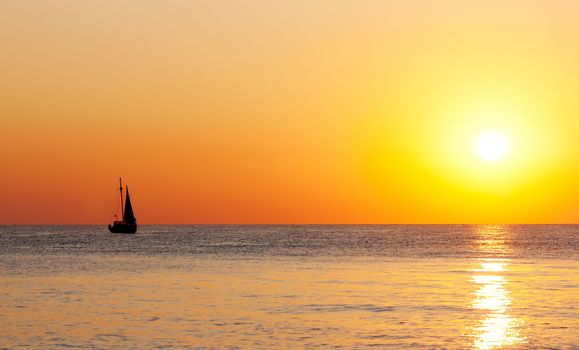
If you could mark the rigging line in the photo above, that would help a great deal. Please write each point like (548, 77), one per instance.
(115, 205)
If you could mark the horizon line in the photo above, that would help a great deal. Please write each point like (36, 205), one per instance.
(296, 224)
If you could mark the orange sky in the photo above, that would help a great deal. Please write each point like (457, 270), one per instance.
(288, 111)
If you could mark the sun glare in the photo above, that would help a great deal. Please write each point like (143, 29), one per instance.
(492, 146)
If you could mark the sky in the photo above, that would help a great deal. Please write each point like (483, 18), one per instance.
(289, 111)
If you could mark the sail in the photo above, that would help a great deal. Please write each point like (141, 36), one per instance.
(128, 216)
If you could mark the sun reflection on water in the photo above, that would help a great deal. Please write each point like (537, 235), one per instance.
(498, 327)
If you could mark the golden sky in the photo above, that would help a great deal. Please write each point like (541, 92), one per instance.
(289, 111)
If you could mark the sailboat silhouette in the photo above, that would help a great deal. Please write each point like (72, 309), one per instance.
(128, 224)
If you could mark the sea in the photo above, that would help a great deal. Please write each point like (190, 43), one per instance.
(290, 287)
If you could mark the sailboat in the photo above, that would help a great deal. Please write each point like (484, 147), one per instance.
(128, 224)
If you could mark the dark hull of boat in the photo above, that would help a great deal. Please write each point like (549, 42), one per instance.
(123, 227)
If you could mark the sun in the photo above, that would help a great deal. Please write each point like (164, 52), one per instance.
(492, 146)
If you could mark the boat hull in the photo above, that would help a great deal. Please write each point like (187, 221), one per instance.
(123, 227)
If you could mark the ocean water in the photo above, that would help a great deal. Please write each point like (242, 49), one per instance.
(274, 287)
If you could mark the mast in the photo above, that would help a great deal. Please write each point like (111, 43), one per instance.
(122, 207)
